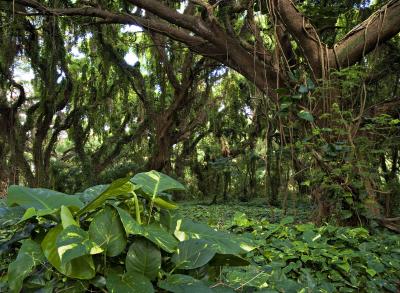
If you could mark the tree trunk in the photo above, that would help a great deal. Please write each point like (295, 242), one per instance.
(161, 152)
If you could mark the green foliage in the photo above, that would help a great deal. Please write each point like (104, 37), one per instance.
(318, 259)
(118, 187)
(218, 240)
(192, 254)
(143, 258)
(107, 231)
(78, 268)
(128, 282)
(302, 257)
(154, 182)
(221, 215)
(39, 198)
(306, 116)
(184, 284)
(92, 243)
(29, 256)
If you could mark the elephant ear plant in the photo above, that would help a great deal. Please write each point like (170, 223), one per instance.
(121, 237)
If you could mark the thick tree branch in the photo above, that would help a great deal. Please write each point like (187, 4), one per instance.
(302, 31)
(378, 28)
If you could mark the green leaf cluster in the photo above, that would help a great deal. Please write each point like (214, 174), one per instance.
(306, 258)
(122, 237)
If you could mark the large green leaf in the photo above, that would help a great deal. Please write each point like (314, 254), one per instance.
(183, 284)
(40, 198)
(29, 256)
(66, 217)
(143, 258)
(116, 188)
(161, 237)
(32, 212)
(155, 233)
(128, 283)
(73, 242)
(192, 254)
(162, 203)
(131, 226)
(168, 220)
(91, 193)
(228, 260)
(154, 182)
(107, 231)
(222, 242)
(79, 268)
(10, 215)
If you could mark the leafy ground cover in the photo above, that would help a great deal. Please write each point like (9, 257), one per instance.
(220, 216)
(295, 256)
(128, 237)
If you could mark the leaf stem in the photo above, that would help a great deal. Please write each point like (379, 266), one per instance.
(137, 209)
(152, 200)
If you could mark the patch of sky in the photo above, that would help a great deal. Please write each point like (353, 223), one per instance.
(76, 53)
(182, 7)
(61, 76)
(367, 3)
(63, 134)
(130, 28)
(22, 118)
(157, 89)
(247, 111)
(219, 72)
(23, 71)
(131, 58)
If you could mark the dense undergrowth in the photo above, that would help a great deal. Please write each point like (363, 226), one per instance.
(293, 255)
(128, 237)
(119, 237)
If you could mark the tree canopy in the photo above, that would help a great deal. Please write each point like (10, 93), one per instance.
(115, 113)
(238, 96)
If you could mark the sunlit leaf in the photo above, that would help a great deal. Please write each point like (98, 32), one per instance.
(29, 256)
(160, 237)
(154, 182)
(79, 268)
(107, 231)
(129, 223)
(66, 217)
(73, 242)
(32, 212)
(118, 187)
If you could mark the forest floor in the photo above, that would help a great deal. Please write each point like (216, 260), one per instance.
(293, 255)
(221, 215)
